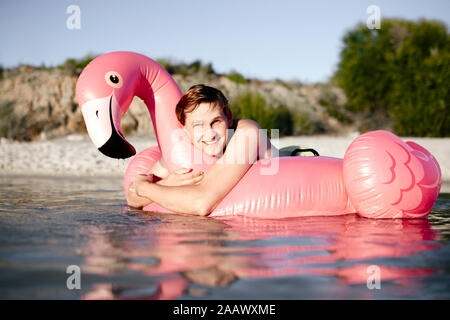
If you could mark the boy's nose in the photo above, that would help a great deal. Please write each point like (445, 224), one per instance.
(209, 134)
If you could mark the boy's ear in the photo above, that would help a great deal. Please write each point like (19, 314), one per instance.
(229, 115)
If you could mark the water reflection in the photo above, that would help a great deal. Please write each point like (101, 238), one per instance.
(176, 251)
(46, 225)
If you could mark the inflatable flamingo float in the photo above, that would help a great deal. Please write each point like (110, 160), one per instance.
(381, 176)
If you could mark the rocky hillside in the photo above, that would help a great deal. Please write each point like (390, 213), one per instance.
(40, 103)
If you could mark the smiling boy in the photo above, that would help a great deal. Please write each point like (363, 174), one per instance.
(206, 116)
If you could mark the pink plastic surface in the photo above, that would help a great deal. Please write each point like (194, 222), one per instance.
(302, 186)
(389, 178)
(146, 79)
(380, 177)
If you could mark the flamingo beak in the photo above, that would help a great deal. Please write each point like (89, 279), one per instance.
(102, 120)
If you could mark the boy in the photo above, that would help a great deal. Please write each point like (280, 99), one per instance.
(205, 114)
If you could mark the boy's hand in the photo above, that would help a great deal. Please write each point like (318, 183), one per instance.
(182, 177)
(139, 181)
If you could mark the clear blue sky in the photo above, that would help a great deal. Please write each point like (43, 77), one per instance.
(261, 39)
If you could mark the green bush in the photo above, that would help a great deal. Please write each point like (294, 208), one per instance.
(281, 82)
(166, 65)
(328, 100)
(253, 106)
(401, 70)
(9, 123)
(236, 77)
(304, 125)
(207, 69)
(185, 69)
(421, 96)
(74, 66)
(84, 62)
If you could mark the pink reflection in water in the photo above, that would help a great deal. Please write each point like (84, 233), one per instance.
(216, 252)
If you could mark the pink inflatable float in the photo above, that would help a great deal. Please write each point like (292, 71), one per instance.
(381, 176)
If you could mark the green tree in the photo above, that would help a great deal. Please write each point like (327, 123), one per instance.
(401, 70)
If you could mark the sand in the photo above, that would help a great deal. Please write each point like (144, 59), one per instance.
(76, 156)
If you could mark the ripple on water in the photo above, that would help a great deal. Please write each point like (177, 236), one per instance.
(48, 224)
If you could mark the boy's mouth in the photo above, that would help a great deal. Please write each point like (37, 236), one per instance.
(211, 142)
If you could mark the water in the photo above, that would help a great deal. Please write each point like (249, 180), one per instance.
(48, 224)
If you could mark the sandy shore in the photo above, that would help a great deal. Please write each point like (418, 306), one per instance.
(75, 155)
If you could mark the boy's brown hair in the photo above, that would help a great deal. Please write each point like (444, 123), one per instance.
(198, 94)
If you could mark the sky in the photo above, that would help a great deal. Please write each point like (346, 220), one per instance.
(288, 40)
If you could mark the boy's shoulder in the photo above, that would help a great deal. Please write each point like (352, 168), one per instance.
(247, 124)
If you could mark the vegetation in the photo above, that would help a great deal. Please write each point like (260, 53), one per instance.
(254, 106)
(9, 124)
(236, 77)
(401, 70)
(304, 125)
(281, 82)
(184, 69)
(74, 66)
(198, 66)
(329, 100)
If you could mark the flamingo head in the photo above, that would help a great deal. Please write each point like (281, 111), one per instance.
(104, 92)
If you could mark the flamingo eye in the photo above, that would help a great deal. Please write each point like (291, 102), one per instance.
(113, 79)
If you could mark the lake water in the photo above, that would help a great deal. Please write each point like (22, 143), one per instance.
(49, 224)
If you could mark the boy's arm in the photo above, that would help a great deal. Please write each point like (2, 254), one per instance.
(160, 176)
(158, 171)
(133, 200)
(200, 199)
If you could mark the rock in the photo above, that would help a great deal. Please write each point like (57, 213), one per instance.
(41, 104)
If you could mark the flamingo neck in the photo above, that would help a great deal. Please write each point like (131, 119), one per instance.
(154, 85)
(160, 93)
(145, 92)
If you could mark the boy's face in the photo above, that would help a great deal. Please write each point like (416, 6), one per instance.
(207, 127)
